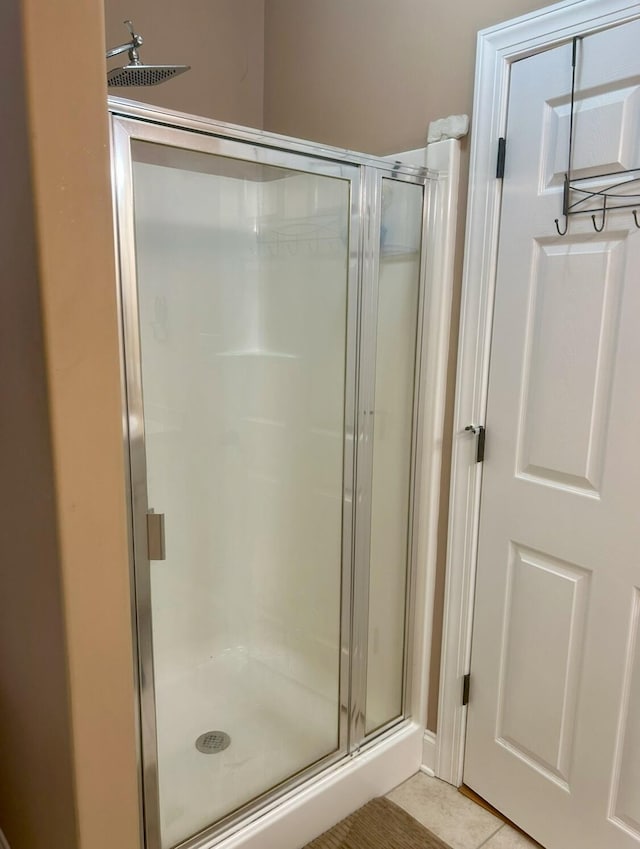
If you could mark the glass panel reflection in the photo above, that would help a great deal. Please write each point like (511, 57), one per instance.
(242, 289)
(399, 283)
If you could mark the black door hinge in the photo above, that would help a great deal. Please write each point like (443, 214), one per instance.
(480, 433)
(466, 683)
(502, 151)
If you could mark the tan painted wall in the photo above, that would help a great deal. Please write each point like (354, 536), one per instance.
(36, 778)
(371, 75)
(68, 141)
(222, 40)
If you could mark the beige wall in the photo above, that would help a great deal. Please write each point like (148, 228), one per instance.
(68, 762)
(370, 75)
(222, 40)
(36, 778)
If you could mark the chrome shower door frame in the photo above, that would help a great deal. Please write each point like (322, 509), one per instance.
(373, 183)
(132, 122)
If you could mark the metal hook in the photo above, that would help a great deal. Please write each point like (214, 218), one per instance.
(635, 218)
(604, 217)
(566, 226)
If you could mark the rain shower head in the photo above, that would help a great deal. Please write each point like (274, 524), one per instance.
(136, 73)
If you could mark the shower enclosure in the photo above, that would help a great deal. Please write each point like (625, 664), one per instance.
(271, 300)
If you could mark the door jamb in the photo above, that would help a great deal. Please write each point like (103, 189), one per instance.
(497, 48)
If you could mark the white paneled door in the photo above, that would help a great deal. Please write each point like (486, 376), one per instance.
(553, 735)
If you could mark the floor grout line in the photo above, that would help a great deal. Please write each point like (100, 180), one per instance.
(491, 836)
(454, 804)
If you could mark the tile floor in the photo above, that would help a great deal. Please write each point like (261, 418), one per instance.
(461, 823)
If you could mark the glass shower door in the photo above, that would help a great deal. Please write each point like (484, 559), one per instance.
(400, 261)
(239, 313)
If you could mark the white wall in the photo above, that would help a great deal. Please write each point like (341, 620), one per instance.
(243, 310)
(243, 337)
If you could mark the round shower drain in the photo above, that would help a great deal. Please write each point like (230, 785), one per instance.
(212, 742)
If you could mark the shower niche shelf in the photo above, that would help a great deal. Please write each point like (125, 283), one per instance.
(257, 353)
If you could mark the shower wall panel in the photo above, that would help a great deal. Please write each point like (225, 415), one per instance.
(197, 261)
(233, 372)
(303, 246)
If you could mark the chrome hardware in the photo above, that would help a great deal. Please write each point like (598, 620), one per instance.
(155, 536)
(480, 432)
(578, 198)
(466, 686)
(131, 46)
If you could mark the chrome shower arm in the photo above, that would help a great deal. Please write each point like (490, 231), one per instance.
(122, 48)
(130, 46)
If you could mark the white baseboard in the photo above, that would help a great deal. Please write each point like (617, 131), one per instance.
(428, 765)
(4, 843)
(314, 810)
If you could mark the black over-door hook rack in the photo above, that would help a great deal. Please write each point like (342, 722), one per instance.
(577, 199)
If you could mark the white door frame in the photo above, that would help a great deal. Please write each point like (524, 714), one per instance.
(497, 48)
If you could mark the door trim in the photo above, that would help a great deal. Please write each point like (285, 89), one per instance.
(497, 48)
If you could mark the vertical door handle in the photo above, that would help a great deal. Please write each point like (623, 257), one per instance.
(155, 535)
(480, 433)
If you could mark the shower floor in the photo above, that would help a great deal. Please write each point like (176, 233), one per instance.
(277, 727)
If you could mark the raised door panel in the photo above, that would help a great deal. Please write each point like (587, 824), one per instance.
(541, 657)
(571, 339)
